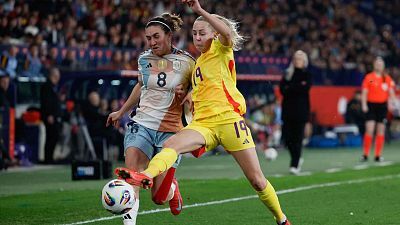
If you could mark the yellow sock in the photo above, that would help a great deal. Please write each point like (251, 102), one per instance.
(161, 162)
(270, 199)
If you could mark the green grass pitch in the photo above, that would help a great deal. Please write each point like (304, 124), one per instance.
(334, 189)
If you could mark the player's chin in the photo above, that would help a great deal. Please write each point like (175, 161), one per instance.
(199, 48)
(157, 51)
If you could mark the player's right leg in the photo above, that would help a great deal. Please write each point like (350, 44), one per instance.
(135, 160)
(248, 161)
(368, 136)
(138, 151)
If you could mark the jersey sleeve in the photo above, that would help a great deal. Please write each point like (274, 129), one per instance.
(144, 67)
(365, 82)
(140, 78)
(218, 46)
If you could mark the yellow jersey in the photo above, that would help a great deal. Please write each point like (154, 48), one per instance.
(214, 84)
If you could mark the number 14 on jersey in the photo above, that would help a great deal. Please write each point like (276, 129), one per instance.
(197, 74)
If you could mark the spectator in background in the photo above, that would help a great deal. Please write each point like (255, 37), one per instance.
(51, 59)
(51, 113)
(295, 87)
(5, 100)
(95, 121)
(32, 64)
(126, 60)
(261, 121)
(5, 103)
(92, 113)
(116, 62)
(104, 107)
(276, 126)
(354, 113)
(120, 127)
(117, 133)
(70, 61)
(377, 88)
(9, 62)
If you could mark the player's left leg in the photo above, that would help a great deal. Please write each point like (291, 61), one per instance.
(166, 189)
(161, 191)
(296, 139)
(242, 148)
(248, 161)
(381, 112)
(379, 141)
(136, 160)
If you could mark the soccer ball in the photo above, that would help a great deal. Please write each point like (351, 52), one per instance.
(118, 197)
(270, 154)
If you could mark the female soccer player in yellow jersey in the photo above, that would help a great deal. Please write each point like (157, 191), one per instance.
(218, 110)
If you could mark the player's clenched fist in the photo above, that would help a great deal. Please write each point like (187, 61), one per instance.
(193, 4)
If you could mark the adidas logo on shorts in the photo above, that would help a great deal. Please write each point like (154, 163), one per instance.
(246, 141)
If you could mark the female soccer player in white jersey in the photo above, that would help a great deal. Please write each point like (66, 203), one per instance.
(162, 70)
(218, 111)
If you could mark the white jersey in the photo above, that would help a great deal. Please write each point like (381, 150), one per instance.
(159, 108)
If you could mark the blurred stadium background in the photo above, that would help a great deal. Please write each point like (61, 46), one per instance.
(95, 44)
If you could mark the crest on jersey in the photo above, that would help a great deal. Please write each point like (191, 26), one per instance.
(385, 86)
(176, 65)
(162, 64)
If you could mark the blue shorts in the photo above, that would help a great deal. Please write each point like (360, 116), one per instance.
(147, 140)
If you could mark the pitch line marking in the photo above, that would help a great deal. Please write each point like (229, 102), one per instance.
(385, 163)
(361, 167)
(333, 170)
(281, 192)
(305, 173)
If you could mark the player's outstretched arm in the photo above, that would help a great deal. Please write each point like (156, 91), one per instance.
(133, 100)
(225, 32)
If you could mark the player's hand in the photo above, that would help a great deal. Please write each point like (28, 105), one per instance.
(188, 100)
(364, 108)
(113, 119)
(193, 4)
(180, 91)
